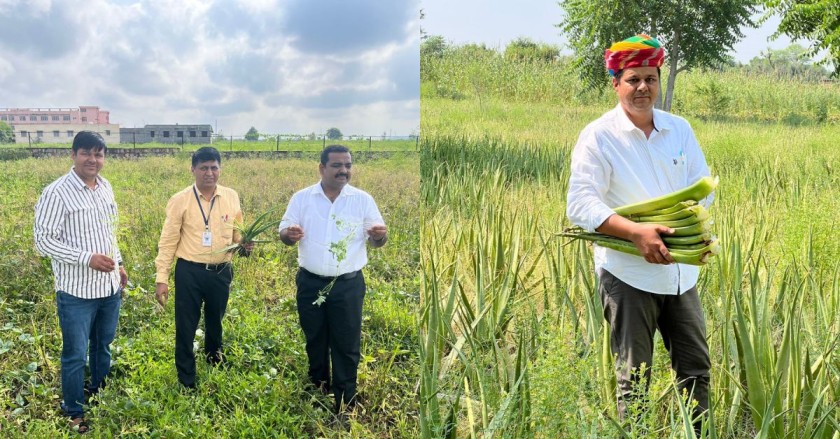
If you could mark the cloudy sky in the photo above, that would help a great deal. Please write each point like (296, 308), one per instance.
(282, 66)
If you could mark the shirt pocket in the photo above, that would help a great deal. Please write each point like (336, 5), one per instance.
(673, 169)
(83, 219)
(226, 226)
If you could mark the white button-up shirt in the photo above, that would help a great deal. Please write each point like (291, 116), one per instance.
(332, 230)
(613, 164)
(72, 222)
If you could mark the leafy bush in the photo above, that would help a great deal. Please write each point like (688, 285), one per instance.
(523, 49)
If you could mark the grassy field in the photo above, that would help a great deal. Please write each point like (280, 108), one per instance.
(372, 144)
(261, 394)
(512, 336)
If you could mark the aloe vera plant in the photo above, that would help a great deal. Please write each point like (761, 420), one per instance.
(691, 240)
(696, 192)
(249, 233)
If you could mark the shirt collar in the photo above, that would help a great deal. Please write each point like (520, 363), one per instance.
(660, 122)
(77, 181)
(216, 193)
(345, 191)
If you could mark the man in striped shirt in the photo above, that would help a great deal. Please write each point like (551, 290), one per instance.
(75, 225)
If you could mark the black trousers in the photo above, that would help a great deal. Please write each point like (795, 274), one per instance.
(634, 316)
(333, 330)
(194, 285)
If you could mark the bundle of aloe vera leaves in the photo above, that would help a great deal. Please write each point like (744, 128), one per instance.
(692, 241)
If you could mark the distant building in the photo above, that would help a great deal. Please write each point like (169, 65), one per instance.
(178, 134)
(49, 116)
(58, 125)
(63, 133)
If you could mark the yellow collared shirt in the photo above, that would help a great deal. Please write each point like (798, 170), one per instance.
(183, 229)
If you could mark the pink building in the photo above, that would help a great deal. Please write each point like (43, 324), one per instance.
(49, 116)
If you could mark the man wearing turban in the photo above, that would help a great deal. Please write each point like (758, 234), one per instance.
(630, 154)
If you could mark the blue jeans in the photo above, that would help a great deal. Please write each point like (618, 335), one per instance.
(83, 320)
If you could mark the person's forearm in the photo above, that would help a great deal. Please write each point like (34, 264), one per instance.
(284, 237)
(618, 226)
(59, 251)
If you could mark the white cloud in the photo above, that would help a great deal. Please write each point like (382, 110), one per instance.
(280, 66)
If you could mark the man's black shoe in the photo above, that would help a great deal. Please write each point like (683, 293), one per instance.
(216, 360)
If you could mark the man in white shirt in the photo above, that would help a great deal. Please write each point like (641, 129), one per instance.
(633, 153)
(75, 222)
(332, 221)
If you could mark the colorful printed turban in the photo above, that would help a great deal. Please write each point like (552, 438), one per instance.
(638, 51)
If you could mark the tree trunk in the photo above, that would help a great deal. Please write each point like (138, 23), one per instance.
(672, 71)
(654, 31)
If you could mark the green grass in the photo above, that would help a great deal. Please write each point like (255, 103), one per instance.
(480, 75)
(261, 394)
(372, 144)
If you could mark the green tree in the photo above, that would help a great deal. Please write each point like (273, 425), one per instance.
(793, 62)
(432, 49)
(695, 33)
(334, 134)
(815, 20)
(523, 49)
(252, 135)
(6, 134)
(433, 46)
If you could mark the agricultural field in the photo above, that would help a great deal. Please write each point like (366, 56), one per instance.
(512, 339)
(366, 144)
(261, 393)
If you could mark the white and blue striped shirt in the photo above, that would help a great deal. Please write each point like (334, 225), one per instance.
(72, 222)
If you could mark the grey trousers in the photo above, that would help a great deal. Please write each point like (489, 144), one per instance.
(633, 316)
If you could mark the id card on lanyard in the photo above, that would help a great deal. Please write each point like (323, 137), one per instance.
(207, 237)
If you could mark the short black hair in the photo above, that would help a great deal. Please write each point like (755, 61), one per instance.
(325, 154)
(206, 154)
(89, 140)
(620, 73)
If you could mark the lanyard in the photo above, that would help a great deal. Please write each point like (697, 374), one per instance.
(212, 202)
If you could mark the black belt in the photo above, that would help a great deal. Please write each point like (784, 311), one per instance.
(344, 276)
(208, 267)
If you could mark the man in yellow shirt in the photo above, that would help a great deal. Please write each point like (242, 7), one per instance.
(199, 223)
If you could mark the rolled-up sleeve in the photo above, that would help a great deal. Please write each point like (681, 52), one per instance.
(588, 183)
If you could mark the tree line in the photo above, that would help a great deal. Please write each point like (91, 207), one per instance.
(696, 34)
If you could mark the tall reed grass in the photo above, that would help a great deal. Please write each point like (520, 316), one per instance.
(481, 75)
(512, 334)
